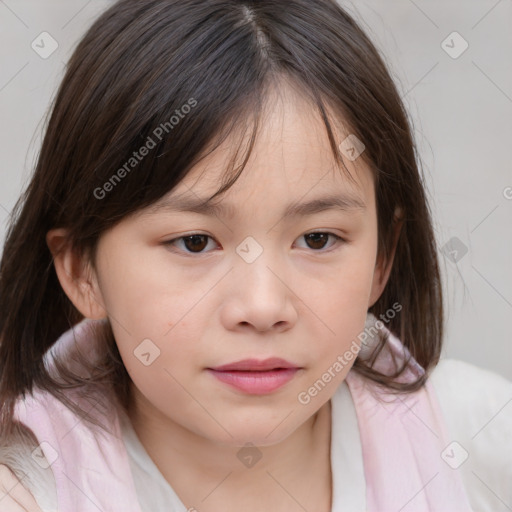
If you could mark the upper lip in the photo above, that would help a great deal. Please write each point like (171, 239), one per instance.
(272, 363)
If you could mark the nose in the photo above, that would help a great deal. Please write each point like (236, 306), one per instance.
(259, 297)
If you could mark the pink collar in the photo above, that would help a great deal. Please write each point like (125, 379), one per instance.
(402, 438)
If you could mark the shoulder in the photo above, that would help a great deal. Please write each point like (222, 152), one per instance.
(475, 392)
(477, 407)
(13, 495)
(24, 471)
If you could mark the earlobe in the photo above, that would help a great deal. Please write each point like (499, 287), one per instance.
(77, 278)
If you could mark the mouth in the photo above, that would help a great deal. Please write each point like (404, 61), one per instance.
(256, 377)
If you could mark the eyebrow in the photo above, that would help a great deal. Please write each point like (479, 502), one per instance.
(344, 202)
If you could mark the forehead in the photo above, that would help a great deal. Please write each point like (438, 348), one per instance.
(291, 161)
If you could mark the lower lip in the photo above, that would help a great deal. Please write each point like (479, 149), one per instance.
(256, 383)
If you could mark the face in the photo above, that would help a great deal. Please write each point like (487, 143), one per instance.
(189, 292)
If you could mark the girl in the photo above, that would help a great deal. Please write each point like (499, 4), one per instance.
(220, 290)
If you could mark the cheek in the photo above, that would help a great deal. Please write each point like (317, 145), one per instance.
(161, 366)
(145, 294)
(342, 302)
(171, 388)
(346, 289)
(160, 348)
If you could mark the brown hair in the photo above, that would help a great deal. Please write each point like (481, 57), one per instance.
(138, 64)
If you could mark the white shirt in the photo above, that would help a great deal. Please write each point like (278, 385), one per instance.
(477, 408)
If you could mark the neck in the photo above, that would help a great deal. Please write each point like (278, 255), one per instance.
(294, 474)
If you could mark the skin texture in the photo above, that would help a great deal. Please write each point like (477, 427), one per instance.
(304, 303)
(14, 497)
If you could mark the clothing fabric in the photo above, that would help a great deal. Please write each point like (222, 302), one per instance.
(388, 452)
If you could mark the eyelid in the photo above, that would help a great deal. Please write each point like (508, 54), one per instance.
(186, 235)
(338, 240)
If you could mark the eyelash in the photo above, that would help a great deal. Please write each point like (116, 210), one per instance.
(338, 240)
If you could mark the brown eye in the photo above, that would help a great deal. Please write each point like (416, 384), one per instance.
(316, 240)
(195, 243)
(319, 240)
(191, 244)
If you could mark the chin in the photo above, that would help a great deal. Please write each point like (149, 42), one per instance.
(260, 431)
(253, 437)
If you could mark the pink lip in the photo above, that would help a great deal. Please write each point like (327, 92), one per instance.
(256, 377)
(255, 365)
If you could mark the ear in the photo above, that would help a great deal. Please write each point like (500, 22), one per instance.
(383, 268)
(76, 275)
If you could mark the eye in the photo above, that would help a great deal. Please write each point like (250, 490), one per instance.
(317, 240)
(194, 243)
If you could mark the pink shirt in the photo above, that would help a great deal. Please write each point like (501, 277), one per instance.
(402, 438)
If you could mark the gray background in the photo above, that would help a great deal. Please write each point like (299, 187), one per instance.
(461, 110)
